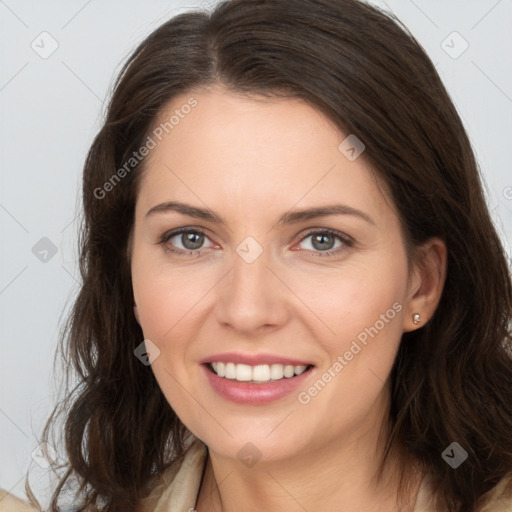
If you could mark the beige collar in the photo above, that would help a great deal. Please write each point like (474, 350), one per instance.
(181, 482)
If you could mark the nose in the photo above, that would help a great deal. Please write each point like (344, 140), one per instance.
(252, 297)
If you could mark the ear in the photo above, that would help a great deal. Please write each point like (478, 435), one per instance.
(426, 283)
(136, 312)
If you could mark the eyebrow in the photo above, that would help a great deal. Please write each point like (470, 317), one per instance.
(290, 217)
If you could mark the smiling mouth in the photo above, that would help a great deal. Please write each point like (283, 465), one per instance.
(258, 374)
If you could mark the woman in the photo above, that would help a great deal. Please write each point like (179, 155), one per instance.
(293, 294)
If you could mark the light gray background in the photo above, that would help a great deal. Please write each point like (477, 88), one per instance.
(51, 108)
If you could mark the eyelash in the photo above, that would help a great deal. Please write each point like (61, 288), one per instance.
(347, 241)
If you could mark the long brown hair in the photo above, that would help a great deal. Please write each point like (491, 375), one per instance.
(452, 378)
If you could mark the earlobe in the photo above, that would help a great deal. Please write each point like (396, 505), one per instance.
(428, 288)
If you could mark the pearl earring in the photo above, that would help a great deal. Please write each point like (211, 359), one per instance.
(416, 318)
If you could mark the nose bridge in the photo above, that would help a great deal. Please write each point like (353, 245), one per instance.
(251, 296)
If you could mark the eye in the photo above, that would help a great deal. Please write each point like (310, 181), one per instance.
(323, 242)
(191, 239)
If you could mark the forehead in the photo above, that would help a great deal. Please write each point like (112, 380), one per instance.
(255, 151)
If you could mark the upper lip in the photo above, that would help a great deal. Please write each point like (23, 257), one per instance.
(253, 359)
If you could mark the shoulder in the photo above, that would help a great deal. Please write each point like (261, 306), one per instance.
(11, 503)
(178, 486)
(498, 499)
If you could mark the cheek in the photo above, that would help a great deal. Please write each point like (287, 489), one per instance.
(345, 303)
(360, 328)
(153, 300)
(162, 294)
(156, 295)
(364, 320)
(165, 311)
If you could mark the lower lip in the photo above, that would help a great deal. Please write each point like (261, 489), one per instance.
(254, 394)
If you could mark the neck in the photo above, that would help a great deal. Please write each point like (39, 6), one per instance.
(335, 475)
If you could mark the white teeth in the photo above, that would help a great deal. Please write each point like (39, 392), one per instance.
(258, 373)
(300, 369)
(261, 372)
(289, 371)
(230, 371)
(243, 372)
(276, 371)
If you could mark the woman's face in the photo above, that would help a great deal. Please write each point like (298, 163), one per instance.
(267, 285)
